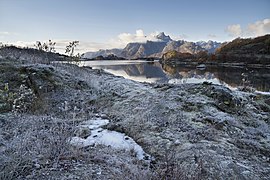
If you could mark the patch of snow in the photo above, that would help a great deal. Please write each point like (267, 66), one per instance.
(193, 81)
(108, 138)
(95, 124)
(262, 92)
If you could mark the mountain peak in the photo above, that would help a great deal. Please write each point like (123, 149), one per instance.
(163, 37)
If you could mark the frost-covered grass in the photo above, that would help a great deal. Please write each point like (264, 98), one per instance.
(38, 147)
(31, 143)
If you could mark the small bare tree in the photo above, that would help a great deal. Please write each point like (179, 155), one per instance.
(70, 51)
(39, 46)
(48, 47)
(51, 46)
(71, 47)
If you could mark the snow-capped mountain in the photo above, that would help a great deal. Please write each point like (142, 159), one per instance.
(210, 46)
(161, 36)
(157, 48)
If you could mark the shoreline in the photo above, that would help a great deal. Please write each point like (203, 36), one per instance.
(240, 65)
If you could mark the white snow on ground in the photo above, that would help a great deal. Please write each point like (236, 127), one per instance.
(108, 138)
(263, 93)
(193, 80)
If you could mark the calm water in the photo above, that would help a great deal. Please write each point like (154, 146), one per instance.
(154, 72)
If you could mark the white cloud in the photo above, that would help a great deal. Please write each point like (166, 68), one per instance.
(234, 30)
(118, 42)
(124, 38)
(140, 33)
(23, 44)
(4, 33)
(81, 48)
(62, 43)
(259, 28)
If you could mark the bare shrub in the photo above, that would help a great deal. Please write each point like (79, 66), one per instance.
(32, 143)
(170, 168)
(24, 100)
(6, 98)
(48, 47)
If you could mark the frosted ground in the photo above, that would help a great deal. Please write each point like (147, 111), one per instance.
(192, 131)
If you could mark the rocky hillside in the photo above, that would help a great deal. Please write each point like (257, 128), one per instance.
(191, 131)
(163, 44)
(258, 45)
(30, 55)
(137, 50)
(175, 55)
(183, 47)
(252, 50)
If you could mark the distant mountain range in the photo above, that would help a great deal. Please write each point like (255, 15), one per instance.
(103, 52)
(240, 51)
(157, 48)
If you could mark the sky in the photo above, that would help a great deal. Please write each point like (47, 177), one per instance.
(105, 24)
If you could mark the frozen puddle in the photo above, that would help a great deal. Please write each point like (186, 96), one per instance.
(108, 138)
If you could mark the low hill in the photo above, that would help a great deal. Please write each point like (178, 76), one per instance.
(251, 50)
(109, 57)
(30, 55)
(175, 55)
(258, 45)
(102, 52)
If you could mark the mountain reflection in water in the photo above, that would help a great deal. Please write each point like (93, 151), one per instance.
(142, 71)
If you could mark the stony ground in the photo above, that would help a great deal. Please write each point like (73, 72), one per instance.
(194, 131)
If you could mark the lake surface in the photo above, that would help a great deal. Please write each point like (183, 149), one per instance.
(154, 72)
